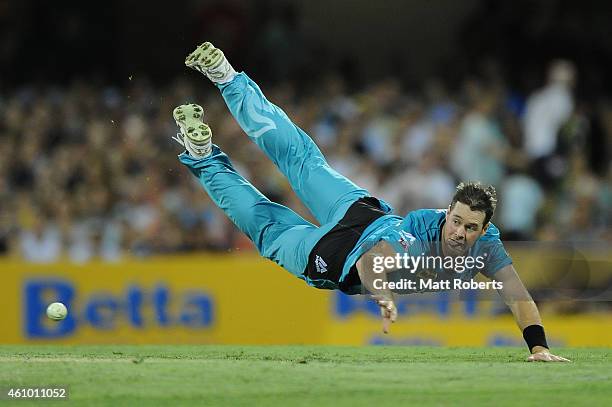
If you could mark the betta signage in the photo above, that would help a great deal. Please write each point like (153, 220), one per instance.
(104, 311)
(438, 303)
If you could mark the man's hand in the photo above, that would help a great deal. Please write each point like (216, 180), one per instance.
(388, 310)
(541, 354)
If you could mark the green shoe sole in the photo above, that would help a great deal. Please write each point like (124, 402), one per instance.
(189, 119)
(205, 56)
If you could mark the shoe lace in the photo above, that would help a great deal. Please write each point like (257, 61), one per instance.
(191, 149)
(179, 139)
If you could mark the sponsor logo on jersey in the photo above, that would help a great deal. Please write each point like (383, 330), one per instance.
(406, 239)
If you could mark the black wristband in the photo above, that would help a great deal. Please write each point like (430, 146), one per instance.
(534, 336)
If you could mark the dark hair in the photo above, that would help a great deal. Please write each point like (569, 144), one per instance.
(478, 197)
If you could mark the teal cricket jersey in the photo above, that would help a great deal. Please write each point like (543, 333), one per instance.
(420, 233)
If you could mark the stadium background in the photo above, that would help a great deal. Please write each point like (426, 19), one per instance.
(96, 211)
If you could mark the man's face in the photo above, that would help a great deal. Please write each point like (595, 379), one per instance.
(463, 227)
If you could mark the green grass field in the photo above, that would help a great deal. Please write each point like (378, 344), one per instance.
(307, 376)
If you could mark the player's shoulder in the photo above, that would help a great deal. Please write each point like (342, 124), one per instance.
(425, 219)
(492, 233)
(428, 215)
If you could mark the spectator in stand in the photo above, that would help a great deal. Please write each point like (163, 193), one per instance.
(481, 148)
(426, 186)
(521, 199)
(547, 110)
(41, 242)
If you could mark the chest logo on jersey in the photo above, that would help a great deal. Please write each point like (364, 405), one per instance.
(406, 239)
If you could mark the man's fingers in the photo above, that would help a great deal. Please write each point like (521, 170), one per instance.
(386, 319)
(388, 311)
(386, 325)
(546, 357)
(393, 313)
(539, 357)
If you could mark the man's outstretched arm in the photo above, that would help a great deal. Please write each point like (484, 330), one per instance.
(526, 314)
(382, 296)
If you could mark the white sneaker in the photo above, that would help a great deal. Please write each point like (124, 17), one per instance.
(211, 62)
(195, 135)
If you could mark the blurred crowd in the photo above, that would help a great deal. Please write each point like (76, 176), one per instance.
(90, 171)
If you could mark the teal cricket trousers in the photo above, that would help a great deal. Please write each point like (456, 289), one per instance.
(279, 233)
